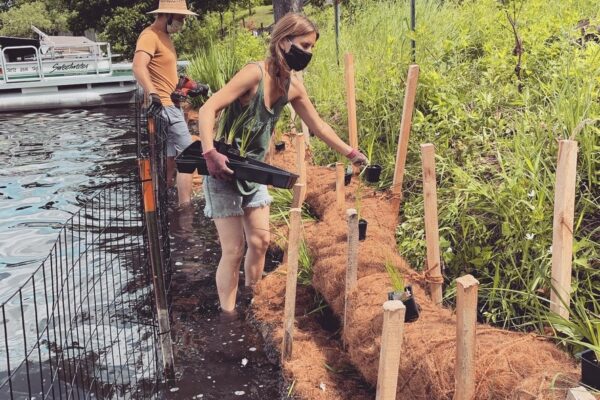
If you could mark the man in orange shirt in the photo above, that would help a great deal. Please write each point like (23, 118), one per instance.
(155, 68)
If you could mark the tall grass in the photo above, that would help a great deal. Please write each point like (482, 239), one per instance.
(496, 147)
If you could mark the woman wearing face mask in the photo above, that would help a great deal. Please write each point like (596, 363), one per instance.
(257, 95)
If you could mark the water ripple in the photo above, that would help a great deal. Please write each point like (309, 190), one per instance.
(50, 162)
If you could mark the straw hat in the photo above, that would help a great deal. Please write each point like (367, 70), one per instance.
(172, 7)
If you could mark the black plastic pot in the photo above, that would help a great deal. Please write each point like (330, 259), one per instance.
(347, 177)
(590, 369)
(280, 146)
(412, 308)
(362, 229)
(372, 173)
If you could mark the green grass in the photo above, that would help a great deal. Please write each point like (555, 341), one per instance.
(496, 147)
(260, 15)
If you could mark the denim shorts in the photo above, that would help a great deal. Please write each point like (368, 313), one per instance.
(178, 134)
(223, 200)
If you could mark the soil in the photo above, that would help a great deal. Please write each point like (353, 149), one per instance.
(216, 357)
(508, 364)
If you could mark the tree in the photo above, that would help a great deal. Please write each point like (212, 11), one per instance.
(282, 7)
(17, 20)
(96, 13)
(123, 27)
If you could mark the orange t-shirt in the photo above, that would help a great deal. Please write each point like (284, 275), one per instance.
(163, 64)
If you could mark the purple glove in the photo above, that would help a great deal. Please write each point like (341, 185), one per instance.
(215, 163)
(357, 158)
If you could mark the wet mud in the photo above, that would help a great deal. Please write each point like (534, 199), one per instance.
(216, 357)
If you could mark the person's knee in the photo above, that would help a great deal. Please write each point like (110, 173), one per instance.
(259, 241)
(233, 251)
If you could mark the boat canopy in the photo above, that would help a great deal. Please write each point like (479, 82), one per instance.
(14, 54)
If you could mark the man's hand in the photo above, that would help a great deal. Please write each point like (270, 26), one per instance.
(155, 106)
(357, 158)
(216, 165)
(178, 96)
(198, 90)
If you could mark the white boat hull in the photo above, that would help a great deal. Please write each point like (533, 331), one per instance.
(67, 92)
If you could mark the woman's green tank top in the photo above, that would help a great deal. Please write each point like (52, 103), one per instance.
(249, 128)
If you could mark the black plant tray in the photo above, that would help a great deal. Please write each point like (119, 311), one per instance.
(245, 168)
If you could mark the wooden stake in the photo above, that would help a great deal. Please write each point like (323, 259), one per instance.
(340, 189)
(391, 345)
(562, 230)
(352, 267)
(466, 321)
(290, 288)
(432, 236)
(305, 131)
(579, 393)
(351, 100)
(407, 112)
(301, 163)
(296, 200)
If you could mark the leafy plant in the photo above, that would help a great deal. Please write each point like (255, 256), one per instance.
(582, 329)
(358, 197)
(305, 264)
(280, 207)
(396, 278)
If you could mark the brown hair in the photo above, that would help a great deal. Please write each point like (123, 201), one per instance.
(288, 27)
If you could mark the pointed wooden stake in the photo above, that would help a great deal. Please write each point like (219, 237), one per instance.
(562, 237)
(352, 267)
(407, 112)
(466, 322)
(290, 288)
(391, 346)
(432, 236)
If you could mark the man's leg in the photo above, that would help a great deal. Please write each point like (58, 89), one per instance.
(171, 172)
(231, 236)
(184, 188)
(180, 138)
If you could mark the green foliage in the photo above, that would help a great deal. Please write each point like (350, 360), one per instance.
(97, 13)
(280, 207)
(582, 329)
(396, 277)
(17, 20)
(123, 40)
(216, 64)
(198, 34)
(496, 147)
(305, 263)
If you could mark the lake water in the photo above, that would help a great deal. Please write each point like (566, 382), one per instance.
(49, 163)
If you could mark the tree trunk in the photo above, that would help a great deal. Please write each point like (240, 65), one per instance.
(282, 7)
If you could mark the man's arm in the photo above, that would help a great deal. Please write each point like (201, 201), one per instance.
(141, 59)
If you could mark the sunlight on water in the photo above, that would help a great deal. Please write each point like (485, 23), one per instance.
(49, 162)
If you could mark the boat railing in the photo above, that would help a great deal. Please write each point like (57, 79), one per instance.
(37, 66)
(56, 61)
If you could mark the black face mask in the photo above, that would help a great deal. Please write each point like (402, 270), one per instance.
(297, 59)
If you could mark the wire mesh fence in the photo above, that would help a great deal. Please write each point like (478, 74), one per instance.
(85, 324)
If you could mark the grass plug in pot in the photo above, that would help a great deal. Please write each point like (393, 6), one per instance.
(402, 293)
(348, 175)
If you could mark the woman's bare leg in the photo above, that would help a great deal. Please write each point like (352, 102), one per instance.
(256, 227)
(231, 236)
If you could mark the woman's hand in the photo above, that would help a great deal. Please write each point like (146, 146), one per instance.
(357, 158)
(216, 165)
